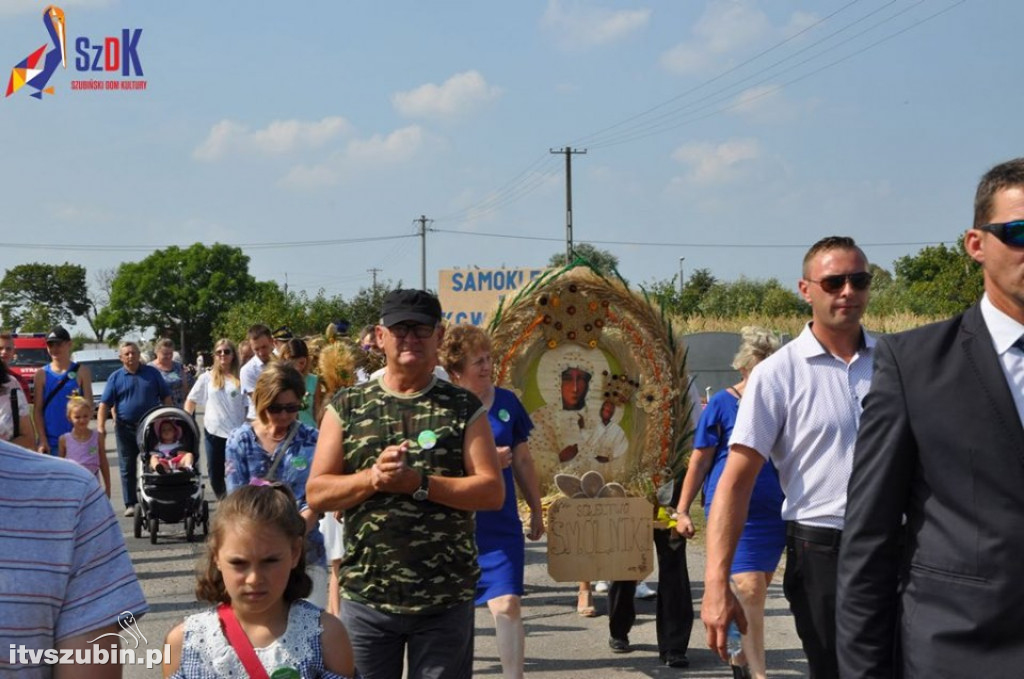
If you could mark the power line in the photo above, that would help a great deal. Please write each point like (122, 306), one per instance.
(248, 246)
(675, 245)
(594, 136)
(657, 128)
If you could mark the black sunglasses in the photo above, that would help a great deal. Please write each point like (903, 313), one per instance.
(223, 352)
(421, 330)
(1011, 233)
(833, 284)
(277, 408)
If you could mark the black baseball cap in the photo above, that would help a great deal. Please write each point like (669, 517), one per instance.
(410, 305)
(58, 334)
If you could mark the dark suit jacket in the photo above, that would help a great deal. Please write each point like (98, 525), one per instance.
(940, 442)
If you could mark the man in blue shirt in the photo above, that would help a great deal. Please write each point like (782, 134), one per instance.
(131, 391)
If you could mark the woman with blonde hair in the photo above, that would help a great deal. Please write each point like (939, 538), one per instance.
(764, 535)
(219, 391)
(466, 355)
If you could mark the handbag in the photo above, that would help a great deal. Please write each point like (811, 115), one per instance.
(60, 385)
(240, 642)
(282, 448)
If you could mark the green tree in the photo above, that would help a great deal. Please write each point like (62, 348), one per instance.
(180, 292)
(266, 303)
(602, 260)
(364, 307)
(99, 299)
(747, 296)
(939, 280)
(33, 294)
(683, 302)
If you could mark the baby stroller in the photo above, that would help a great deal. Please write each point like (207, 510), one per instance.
(176, 495)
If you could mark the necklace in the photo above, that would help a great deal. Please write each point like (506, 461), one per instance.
(274, 437)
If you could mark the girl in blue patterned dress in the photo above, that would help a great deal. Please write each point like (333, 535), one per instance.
(254, 573)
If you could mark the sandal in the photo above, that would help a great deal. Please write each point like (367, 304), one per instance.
(585, 605)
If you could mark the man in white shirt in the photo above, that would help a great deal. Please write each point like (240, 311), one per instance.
(801, 408)
(263, 346)
(930, 575)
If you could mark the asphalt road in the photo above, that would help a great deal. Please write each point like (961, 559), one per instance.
(559, 643)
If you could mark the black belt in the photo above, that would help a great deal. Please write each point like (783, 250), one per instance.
(820, 536)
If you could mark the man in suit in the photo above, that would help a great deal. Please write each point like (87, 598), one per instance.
(930, 560)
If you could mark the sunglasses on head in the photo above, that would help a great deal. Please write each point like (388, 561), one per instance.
(1011, 233)
(833, 284)
(277, 408)
(421, 330)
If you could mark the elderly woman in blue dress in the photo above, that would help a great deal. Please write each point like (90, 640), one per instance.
(764, 535)
(277, 447)
(466, 355)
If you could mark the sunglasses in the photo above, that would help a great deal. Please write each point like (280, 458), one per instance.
(402, 330)
(1011, 233)
(833, 284)
(277, 408)
(223, 352)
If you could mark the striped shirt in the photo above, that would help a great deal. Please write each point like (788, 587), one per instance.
(802, 408)
(64, 569)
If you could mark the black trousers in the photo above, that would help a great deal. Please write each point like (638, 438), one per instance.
(810, 587)
(674, 607)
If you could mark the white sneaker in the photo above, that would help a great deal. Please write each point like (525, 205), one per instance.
(129, 511)
(643, 591)
(601, 586)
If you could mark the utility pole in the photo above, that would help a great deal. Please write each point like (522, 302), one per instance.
(373, 272)
(423, 251)
(681, 274)
(568, 151)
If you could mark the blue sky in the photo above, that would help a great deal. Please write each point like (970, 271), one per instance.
(311, 123)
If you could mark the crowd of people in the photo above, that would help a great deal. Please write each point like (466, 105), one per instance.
(886, 469)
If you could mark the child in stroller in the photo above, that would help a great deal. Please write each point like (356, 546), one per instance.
(169, 455)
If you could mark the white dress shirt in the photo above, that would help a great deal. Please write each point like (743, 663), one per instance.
(802, 408)
(1005, 333)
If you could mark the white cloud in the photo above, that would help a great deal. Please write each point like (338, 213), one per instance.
(277, 138)
(459, 95)
(579, 25)
(726, 28)
(716, 163)
(401, 145)
(768, 104)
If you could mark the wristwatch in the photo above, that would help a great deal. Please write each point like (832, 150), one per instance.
(420, 494)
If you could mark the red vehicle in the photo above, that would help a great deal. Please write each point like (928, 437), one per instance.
(29, 356)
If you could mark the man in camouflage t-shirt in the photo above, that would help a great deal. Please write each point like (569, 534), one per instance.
(408, 458)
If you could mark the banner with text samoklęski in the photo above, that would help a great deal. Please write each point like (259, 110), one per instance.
(600, 539)
(470, 296)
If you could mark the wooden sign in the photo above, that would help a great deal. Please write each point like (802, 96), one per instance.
(600, 539)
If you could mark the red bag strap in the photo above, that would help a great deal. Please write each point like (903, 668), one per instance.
(240, 642)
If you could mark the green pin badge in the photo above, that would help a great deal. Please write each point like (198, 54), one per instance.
(427, 439)
(299, 463)
(285, 673)
(503, 415)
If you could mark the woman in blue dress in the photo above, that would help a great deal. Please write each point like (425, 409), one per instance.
(466, 355)
(764, 534)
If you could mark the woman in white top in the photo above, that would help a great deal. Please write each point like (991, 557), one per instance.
(14, 409)
(220, 392)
